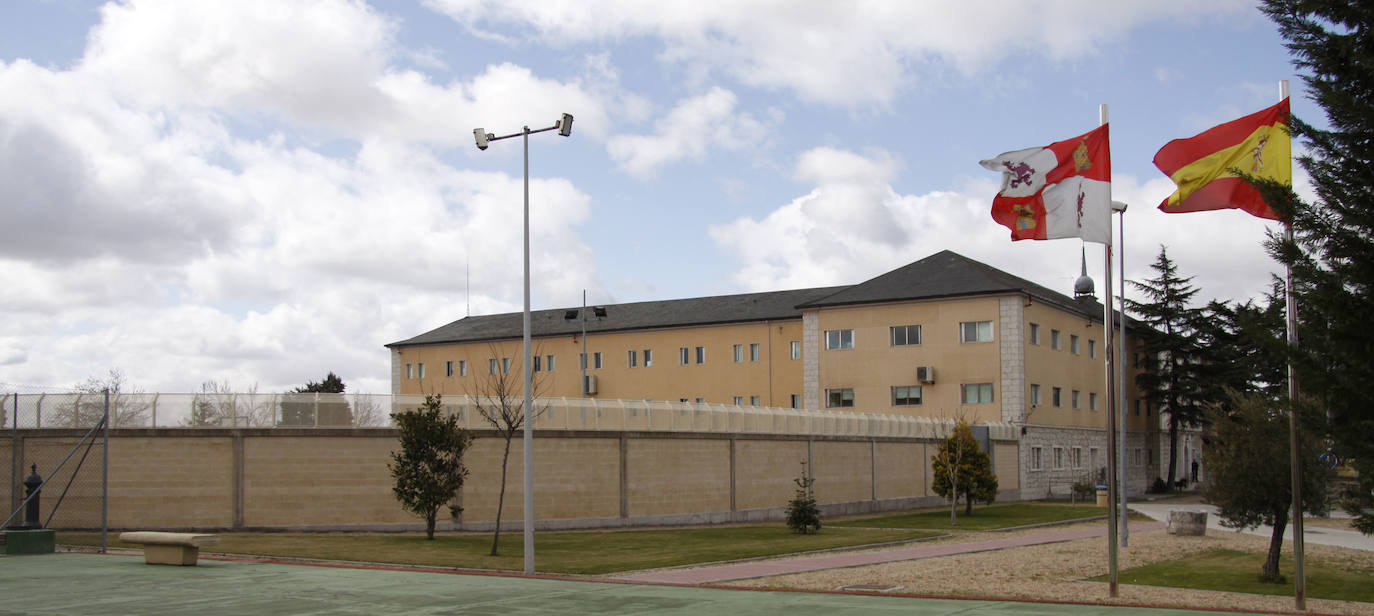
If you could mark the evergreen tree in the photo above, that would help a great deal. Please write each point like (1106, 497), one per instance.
(298, 410)
(1174, 376)
(803, 516)
(429, 467)
(961, 469)
(1248, 470)
(1332, 43)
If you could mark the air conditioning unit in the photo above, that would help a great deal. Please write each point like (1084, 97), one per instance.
(589, 384)
(925, 374)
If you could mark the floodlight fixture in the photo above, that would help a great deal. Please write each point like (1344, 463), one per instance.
(565, 125)
(482, 137)
(1118, 206)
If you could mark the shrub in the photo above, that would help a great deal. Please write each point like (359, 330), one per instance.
(802, 514)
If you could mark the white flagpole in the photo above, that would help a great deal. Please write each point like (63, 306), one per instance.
(1111, 398)
(1299, 573)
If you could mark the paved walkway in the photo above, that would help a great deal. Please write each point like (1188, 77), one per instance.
(756, 569)
(1310, 534)
(91, 584)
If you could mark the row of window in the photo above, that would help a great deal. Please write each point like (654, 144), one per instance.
(908, 335)
(1057, 397)
(634, 359)
(909, 395)
(1056, 341)
(1072, 457)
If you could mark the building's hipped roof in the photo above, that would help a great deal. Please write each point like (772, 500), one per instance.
(948, 274)
(716, 310)
(944, 274)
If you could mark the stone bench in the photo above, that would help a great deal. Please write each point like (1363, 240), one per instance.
(169, 548)
(1190, 523)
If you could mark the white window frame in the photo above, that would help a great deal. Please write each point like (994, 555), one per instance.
(596, 360)
(462, 367)
(505, 365)
(1092, 348)
(1054, 340)
(738, 351)
(493, 366)
(548, 365)
(843, 397)
(739, 400)
(839, 339)
(796, 401)
(1035, 334)
(754, 400)
(1058, 457)
(1035, 394)
(1057, 397)
(536, 365)
(632, 358)
(1073, 343)
(1037, 461)
(421, 369)
(1073, 398)
(648, 357)
(701, 355)
(753, 351)
(981, 332)
(410, 371)
(448, 368)
(1092, 401)
(906, 336)
(980, 389)
(683, 355)
(898, 397)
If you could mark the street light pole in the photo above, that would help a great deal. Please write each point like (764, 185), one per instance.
(564, 126)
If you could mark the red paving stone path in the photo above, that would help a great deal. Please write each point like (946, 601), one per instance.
(757, 569)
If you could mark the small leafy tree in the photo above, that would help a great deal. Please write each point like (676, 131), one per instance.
(429, 467)
(1249, 477)
(962, 469)
(803, 516)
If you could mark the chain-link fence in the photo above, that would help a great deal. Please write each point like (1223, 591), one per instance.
(70, 465)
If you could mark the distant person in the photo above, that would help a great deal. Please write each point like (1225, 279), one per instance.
(1194, 471)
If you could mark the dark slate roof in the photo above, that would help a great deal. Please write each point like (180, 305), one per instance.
(949, 274)
(941, 275)
(641, 315)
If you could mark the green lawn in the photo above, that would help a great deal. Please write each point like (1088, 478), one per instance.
(1234, 571)
(988, 517)
(592, 552)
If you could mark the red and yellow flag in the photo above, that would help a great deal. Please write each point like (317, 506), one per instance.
(1202, 166)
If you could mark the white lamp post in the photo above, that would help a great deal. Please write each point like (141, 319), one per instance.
(564, 126)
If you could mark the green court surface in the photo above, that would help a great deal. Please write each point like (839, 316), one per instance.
(79, 584)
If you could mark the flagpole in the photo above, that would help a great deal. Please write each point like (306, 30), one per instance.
(1111, 399)
(1299, 573)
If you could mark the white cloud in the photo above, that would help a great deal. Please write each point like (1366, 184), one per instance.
(856, 53)
(689, 131)
(853, 225)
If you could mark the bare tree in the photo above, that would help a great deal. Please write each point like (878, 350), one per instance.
(218, 404)
(500, 399)
(129, 406)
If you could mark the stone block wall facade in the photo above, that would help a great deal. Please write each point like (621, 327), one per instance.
(320, 479)
(1054, 474)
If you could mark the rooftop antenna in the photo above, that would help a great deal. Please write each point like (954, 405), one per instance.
(467, 287)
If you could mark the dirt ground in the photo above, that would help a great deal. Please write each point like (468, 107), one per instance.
(1058, 572)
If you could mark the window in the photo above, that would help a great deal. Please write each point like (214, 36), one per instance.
(839, 339)
(796, 349)
(739, 400)
(422, 370)
(634, 359)
(596, 360)
(906, 335)
(796, 401)
(1092, 348)
(701, 400)
(754, 352)
(1076, 457)
(1059, 457)
(1054, 339)
(1137, 407)
(754, 400)
(1092, 401)
(1035, 333)
(975, 331)
(1036, 462)
(683, 356)
(739, 353)
(505, 365)
(410, 371)
(1092, 456)
(492, 366)
(976, 393)
(906, 396)
(701, 355)
(463, 366)
(1055, 397)
(1035, 394)
(682, 400)
(448, 368)
(1073, 344)
(1135, 457)
(1147, 409)
(1073, 399)
(648, 358)
(534, 359)
(548, 365)
(1149, 456)
(839, 398)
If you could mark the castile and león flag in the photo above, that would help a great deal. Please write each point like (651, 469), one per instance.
(1062, 190)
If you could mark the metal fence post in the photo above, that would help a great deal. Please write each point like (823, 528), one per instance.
(105, 480)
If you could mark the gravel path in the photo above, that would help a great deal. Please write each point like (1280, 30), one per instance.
(1057, 572)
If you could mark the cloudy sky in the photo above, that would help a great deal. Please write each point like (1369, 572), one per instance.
(263, 191)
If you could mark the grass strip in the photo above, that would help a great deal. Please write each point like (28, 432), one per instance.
(989, 517)
(1235, 571)
(588, 553)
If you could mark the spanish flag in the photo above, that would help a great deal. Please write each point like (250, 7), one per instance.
(1204, 166)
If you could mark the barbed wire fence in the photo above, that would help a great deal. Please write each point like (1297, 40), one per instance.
(71, 466)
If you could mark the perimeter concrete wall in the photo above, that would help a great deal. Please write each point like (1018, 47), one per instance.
(317, 479)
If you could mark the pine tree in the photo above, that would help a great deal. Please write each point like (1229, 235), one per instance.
(803, 516)
(961, 469)
(1174, 368)
(428, 469)
(1332, 43)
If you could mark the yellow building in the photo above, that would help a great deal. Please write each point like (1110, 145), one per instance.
(945, 336)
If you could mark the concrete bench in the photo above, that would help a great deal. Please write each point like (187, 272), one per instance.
(169, 548)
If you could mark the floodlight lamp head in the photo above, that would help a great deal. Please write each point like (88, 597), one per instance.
(482, 137)
(1118, 206)
(565, 125)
